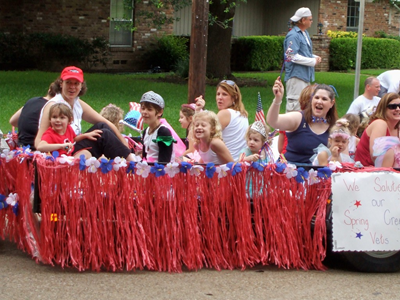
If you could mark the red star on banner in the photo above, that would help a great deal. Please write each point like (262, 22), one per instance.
(358, 203)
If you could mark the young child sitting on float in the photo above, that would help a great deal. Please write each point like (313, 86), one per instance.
(207, 134)
(257, 144)
(354, 123)
(60, 136)
(114, 114)
(185, 119)
(338, 141)
(158, 142)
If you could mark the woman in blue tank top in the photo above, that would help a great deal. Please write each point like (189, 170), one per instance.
(305, 129)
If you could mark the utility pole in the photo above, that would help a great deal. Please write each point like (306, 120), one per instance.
(198, 49)
(359, 49)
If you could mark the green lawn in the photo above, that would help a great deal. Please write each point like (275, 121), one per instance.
(17, 87)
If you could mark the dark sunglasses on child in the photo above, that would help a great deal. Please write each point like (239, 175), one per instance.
(393, 106)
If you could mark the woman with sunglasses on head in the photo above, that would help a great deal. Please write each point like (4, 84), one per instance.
(232, 115)
(384, 122)
(307, 129)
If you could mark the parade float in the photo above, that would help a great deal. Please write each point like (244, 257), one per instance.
(110, 215)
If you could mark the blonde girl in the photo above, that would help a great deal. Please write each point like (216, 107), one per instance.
(354, 124)
(207, 134)
(114, 114)
(338, 142)
(256, 138)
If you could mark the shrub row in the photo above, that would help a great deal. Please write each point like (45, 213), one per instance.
(264, 53)
(168, 53)
(376, 54)
(45, 51)
(257, 53)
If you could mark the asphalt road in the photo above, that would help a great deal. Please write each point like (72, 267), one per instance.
(22, 278)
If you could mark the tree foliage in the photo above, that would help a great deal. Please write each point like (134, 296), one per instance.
(221, 14)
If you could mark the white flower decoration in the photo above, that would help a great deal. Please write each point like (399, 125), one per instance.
(143, 169)
(136, 158)
(358, 164)
(93, 164)
(27, 150)
(290, 171)
(7, 154)
(172, 169)
(333, 165)
(118, 163)
(12, 199)
(196, 170)
(222, 171)
(64, 159)
(4, 153)
(312, 177)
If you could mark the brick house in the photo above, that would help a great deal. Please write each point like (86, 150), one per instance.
(98, 18)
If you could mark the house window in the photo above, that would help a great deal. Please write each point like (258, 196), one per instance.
(353, 14)
(120, 23)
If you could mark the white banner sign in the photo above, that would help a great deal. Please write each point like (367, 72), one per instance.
(366, 211)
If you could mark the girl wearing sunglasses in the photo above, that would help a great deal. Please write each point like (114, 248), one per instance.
(384, 123)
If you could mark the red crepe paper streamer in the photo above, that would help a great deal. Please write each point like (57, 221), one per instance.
(119, 221)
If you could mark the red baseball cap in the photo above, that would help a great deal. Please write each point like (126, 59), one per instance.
(72, 73)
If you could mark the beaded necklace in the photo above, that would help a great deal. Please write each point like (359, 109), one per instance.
(318, 120)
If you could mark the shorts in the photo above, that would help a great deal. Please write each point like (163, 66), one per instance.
(294, 86)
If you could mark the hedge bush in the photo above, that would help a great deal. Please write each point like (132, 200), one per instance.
(376, 54)
(167, 52)
(257, 53)
(43, 50)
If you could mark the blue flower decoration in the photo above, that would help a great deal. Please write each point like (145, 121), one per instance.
(106, 165)
(131, 167)
(301, 175)
(15, 209)
(280, 167)
(324, 172)
(3, 203)
(185, 166)
(53, 156)
(258, 166)
(234, 167)
(82, 163)
(27, 150)
(158, 170)
(210, 170)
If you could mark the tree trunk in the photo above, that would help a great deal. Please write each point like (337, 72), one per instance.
(219, 41)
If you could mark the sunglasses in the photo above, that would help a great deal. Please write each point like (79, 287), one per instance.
(230, 82)
(393, 106)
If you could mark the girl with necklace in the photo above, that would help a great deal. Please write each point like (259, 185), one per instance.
(305, 129)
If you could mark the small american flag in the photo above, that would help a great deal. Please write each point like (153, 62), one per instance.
(260, 112)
